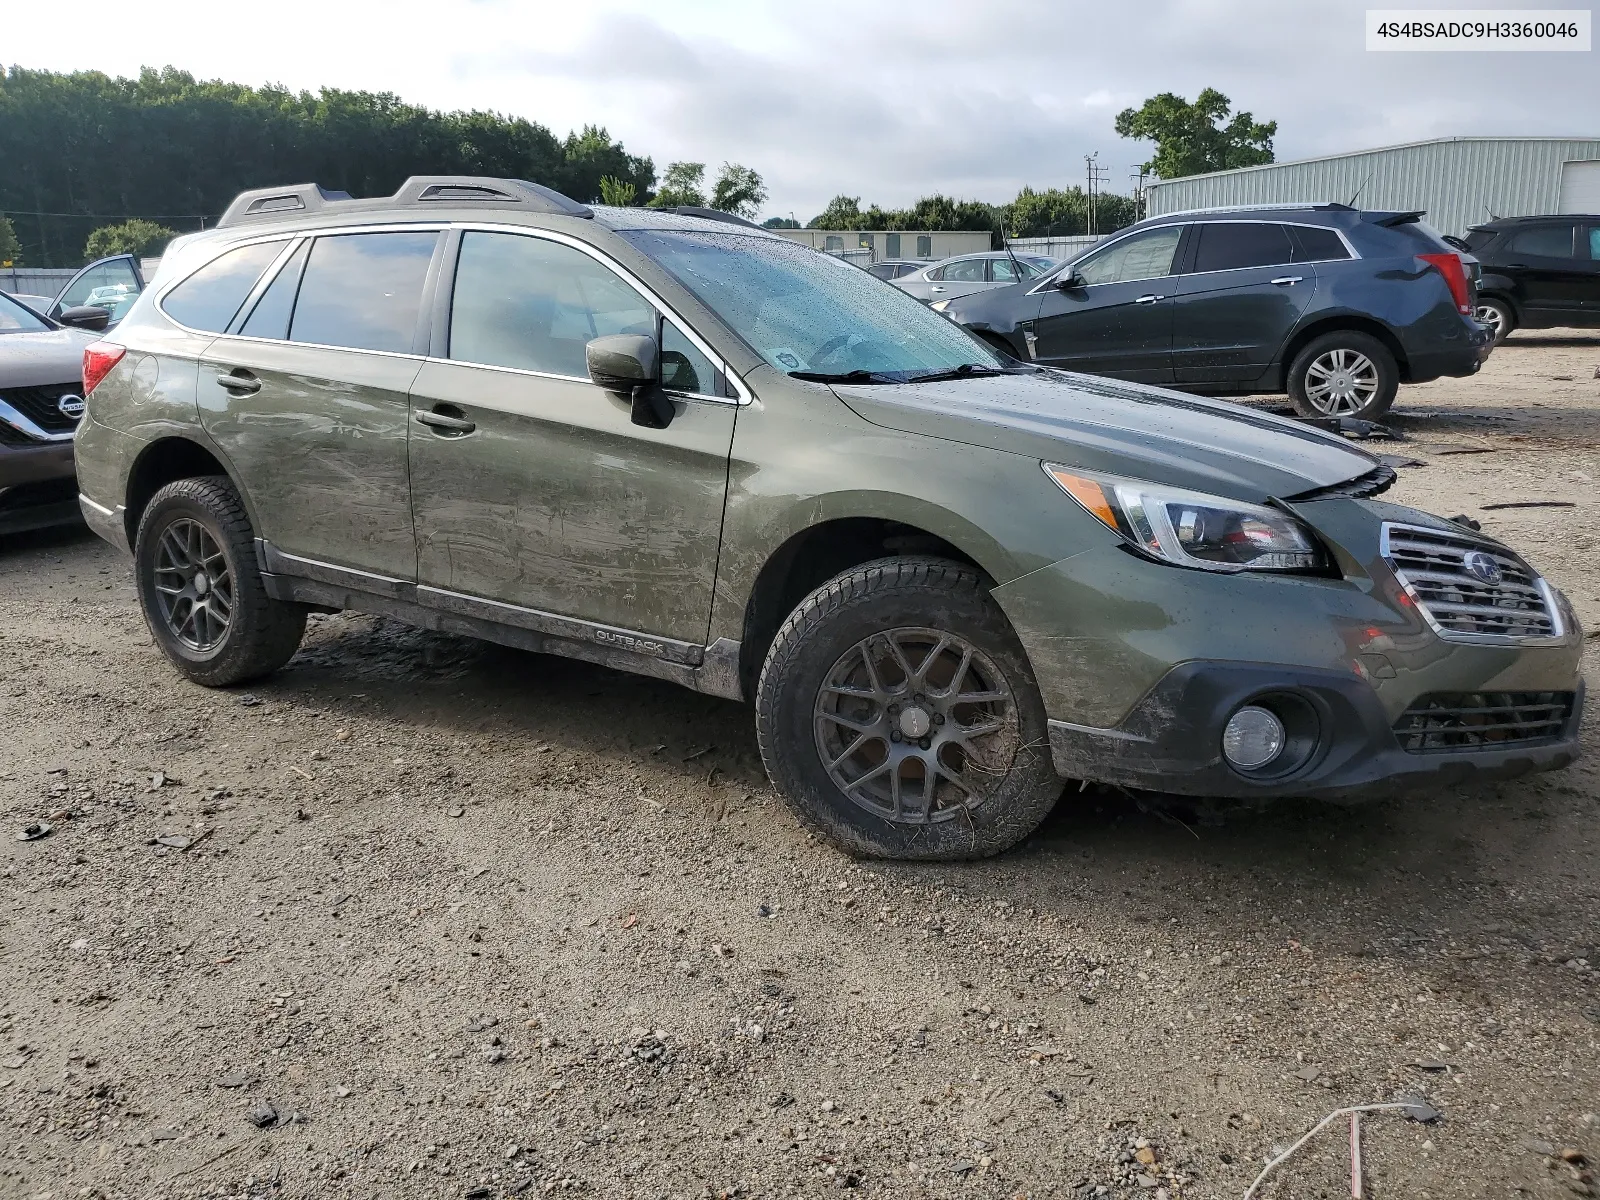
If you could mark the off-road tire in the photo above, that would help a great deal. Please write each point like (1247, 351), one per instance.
(896, 593)
(1507, 317)
(1345, 339)
(262, 633)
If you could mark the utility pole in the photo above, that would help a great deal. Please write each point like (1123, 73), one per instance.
(1138, 178)
(1097, 175)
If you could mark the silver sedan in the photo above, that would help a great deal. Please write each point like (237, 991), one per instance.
(968, 273)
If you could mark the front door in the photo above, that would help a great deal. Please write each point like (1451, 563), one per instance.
(1235, 306)
(538, 492)
(306, 393)
(112, 283)
(1117, 317)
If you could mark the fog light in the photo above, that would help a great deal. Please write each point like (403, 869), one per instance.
(1252, 738)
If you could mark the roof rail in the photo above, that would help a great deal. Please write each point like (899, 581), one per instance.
(713, 214)
(1290, 204)
(262, 204)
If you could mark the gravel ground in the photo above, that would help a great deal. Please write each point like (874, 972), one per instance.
(453, 920)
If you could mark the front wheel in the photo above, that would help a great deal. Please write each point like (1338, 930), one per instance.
(201, 590)
(1344, 374)
(899, 718)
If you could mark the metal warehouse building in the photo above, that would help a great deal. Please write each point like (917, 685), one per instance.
(1461, 181)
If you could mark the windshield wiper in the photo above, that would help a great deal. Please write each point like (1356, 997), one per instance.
(964, 371)
(856, 376)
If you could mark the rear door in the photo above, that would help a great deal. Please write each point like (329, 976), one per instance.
(306, 393)
(1551, 264)
(1239, 298)
(537, 492)
(1119, 321)
(959, 278)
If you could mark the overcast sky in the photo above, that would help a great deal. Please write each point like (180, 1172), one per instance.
(883, 101)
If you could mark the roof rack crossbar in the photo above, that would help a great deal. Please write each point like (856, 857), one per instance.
(261, 204)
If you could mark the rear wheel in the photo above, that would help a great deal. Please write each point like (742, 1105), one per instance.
(1497, 315)
(898, 716)
(201, 590)
(1344, 374)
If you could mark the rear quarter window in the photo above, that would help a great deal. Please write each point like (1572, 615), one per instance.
(210, 297)
(1316, 245)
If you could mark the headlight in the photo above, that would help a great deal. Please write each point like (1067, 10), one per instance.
(1193, 529)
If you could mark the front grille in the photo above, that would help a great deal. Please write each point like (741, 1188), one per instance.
(1437, 570)
(39, 404)
(1482, 720)
(15, 437)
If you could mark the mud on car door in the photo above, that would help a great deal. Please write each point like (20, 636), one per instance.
(537, 498)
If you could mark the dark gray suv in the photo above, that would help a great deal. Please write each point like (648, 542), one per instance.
(1333, 305)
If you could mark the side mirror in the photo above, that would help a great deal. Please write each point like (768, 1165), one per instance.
(85, 316)
(1069, 280)
(630, 363)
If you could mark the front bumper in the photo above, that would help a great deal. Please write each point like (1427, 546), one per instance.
(1172, 740)
(36, 486)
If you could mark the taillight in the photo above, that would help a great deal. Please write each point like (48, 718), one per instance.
(98, 359)
(1455, 275)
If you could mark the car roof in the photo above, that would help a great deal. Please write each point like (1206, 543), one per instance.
(1513, 222)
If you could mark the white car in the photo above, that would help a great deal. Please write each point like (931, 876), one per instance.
(968, 273)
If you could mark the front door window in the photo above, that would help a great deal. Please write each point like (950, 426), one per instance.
(1146, 255)
(112, 284)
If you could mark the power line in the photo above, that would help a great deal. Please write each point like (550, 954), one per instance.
(17, 212)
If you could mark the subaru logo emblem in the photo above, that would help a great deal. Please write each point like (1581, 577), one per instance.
(1483, 567)
(70, 406)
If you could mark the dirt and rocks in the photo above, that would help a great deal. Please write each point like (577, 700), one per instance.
(423, 917)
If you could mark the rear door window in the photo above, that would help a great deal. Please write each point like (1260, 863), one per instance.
(968, 270)
(1543, 241)
(1594, 243)
(1233, 245)
(363, 291)
(210, 297)
(533, 304)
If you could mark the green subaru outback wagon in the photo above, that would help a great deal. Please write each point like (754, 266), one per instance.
(678, 445)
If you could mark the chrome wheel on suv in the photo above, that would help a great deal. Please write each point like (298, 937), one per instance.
(915, 725)
(1341, 382)
(899, 716)
(1343, 374)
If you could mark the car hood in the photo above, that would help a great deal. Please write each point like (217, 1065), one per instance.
(41, 359)
(1119, 428)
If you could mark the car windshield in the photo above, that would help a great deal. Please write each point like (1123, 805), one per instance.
(810, 314)
(14, 318)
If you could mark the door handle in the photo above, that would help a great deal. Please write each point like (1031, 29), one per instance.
(1283, 280)
(445, 422)
(1150, 299)
(936, 288)
(240, 381)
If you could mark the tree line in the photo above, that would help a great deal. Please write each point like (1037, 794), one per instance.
(83, 150)
(92, 165)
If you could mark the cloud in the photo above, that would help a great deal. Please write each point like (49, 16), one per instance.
(866, 97)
